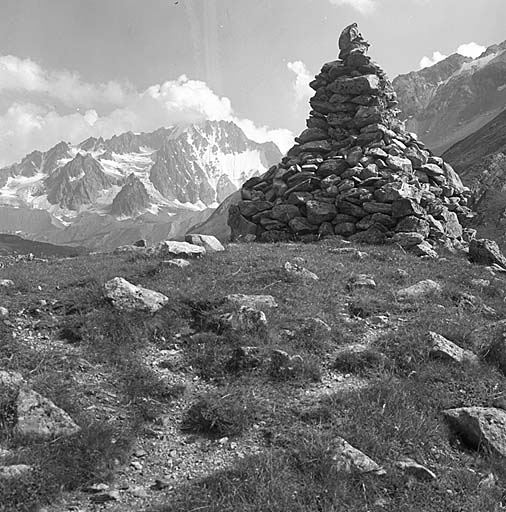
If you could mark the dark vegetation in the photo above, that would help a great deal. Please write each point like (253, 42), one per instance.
(98, 371)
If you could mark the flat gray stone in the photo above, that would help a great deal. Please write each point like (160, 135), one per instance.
(419, 290)
(128, 297)
(40, 418)
(442, 348)
(174, 249)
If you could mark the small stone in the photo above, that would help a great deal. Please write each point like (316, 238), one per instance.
(14, 471)
(176, 262)
(95, 488)
(419, 290)
(300, 272)
(172, 249)
(11, 380)
(136, 465)
(4, 312)
(159, 485)
(248, 319)
(138, 492)
(349, 459)
(105, 497)
(361, 281)
(252, 301)
(6, 283)
(412, 468)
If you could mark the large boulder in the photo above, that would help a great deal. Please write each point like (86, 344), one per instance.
(40, 418)
(128, 297)
(419, 290)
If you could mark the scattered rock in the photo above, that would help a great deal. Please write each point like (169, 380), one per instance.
(486, 252)
(442, 348)
(128, 297)
(11, 380)
(209, 242)
(171, 249)
(138, 492)
(95, 488)
(4, 313)
(245, 358)
(252, 301)
(14, 471)
(419, 290)
(40, 418)
(6, 283)
(416, 470)
(361, 281)
(348, 459)
(480, 427)
(284, 364)
(248, 319)
(300, 272)
(105, 497)
(176, 262)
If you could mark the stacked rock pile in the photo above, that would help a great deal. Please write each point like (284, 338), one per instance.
(355, 171)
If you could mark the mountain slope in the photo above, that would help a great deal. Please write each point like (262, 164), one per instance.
(174, 174)
(480, 160)
(452, 99)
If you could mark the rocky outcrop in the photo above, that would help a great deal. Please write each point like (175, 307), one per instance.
(452, 99)
(132, 199)
(355, 171)
(77, 183)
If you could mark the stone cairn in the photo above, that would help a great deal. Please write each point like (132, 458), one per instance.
(355, 171)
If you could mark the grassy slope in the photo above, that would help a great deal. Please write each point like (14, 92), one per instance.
(111, 372)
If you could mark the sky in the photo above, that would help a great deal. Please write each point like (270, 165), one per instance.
(70, 69)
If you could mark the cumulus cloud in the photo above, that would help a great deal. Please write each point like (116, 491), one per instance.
(55, 106)
(362, 6)
(426, 62)
(472, 50)
(302, 78)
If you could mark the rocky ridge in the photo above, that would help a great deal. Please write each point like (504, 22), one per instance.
(447, 102)
(355, 171)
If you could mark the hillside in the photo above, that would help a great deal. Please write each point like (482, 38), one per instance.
(177, 411)
(452, 99)
(480, 160)
(105, 193)
(11, 245)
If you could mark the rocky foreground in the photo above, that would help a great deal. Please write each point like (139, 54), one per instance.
(285, 376)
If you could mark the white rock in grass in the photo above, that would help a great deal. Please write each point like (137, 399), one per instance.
(4, 312)
(300, 272)
(6, 283)
(176, 262)
(442, 348)
(251, 301)
(174, 249)
(248, 319)
(128, 297)
(39, 417)
(419, 290)
(209, 242)
(348, 459)
(11, 380)
(14, 471)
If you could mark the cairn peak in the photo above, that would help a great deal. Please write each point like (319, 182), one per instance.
(355, 171)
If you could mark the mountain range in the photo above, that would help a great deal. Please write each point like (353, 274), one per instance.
(104, 193)
(447, 102)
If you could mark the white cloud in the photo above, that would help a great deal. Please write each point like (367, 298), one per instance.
(302, 78)
(362, 6)
(472, 50)
(26, 76)
(426, 62)
(55, 106)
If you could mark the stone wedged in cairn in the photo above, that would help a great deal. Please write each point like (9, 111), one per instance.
(355, 171)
